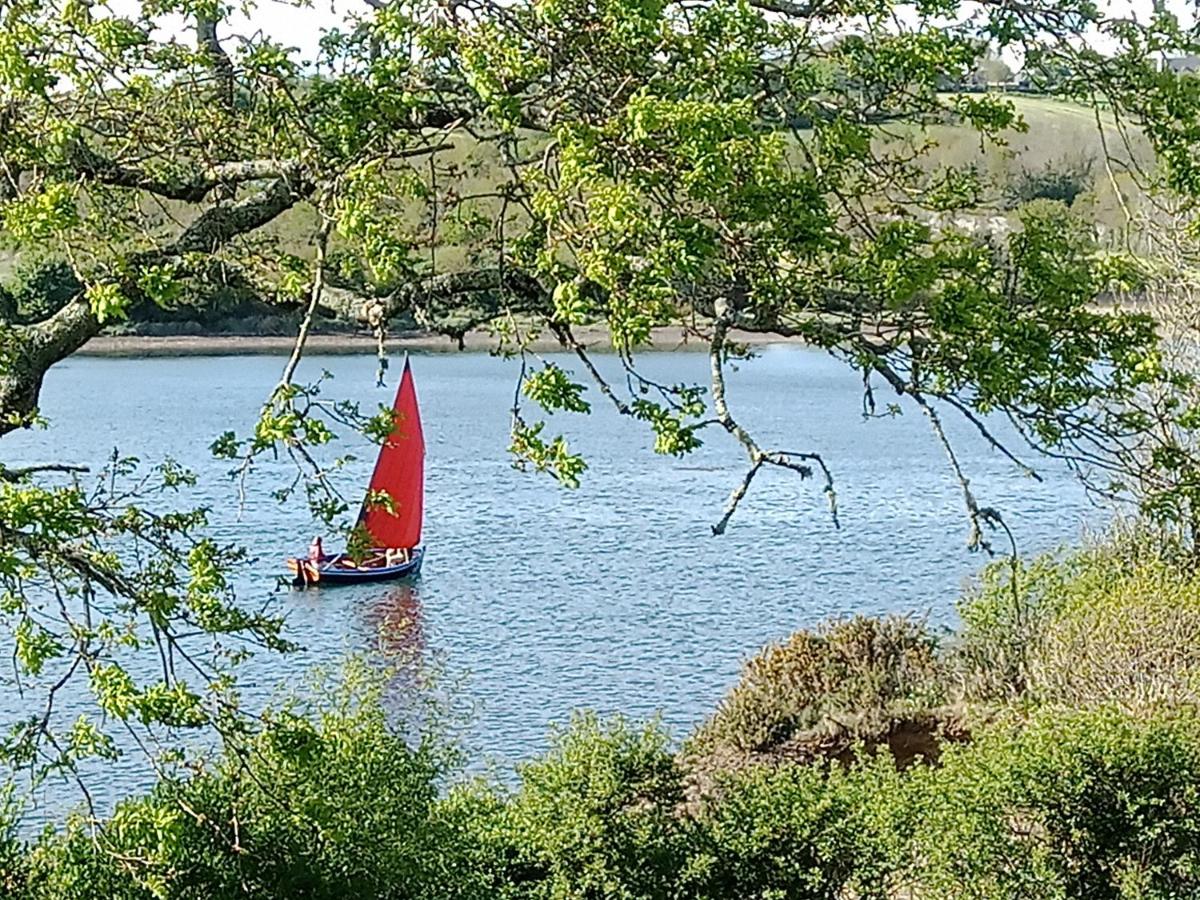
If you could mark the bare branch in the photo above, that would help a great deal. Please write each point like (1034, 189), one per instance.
(735, 498)
(977, 516)
(722, 321)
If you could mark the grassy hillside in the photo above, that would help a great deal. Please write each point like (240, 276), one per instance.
(1060, 137)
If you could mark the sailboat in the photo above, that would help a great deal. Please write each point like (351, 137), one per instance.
(392, 510)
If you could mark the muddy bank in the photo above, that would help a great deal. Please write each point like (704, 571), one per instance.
(353, 344)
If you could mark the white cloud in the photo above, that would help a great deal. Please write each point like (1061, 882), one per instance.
(302, 26)
(285, 23)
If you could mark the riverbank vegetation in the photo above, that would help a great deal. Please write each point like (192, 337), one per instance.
(1048, 747)
(770, 167)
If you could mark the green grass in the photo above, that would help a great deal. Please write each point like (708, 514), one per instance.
(1057, 130)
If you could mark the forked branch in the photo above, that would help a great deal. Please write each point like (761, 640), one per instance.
(723, 319)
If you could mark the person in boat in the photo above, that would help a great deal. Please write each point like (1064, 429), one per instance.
(316, 551)
(394, 556)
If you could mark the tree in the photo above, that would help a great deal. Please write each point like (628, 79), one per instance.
(991, 70)
(724, 166)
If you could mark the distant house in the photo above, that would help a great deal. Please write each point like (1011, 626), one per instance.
(1181, 64)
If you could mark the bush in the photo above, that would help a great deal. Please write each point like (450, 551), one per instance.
(1137, 644)
(1085, 784)
(1079, 805)
(599, 815)
(1063, 179)
(13, 863)
(1116, 622)
(1097, 805)
(865, 668)
(815, 832)
(324, 803)
(38, 291)
(1004, 617)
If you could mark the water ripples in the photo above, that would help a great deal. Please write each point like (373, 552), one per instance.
(614, 597)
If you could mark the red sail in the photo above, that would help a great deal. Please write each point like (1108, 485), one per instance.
(400, 474)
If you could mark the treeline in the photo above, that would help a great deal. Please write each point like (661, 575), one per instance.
(1059, 757)
(1089, 804)
(213, 302)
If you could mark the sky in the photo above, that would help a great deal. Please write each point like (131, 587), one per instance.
(301, 27)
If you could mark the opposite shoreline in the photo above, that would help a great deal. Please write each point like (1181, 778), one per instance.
(593, 338)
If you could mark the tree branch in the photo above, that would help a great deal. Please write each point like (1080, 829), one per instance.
(35, 348)
(92, 165)
(218, 224)
(723, 319)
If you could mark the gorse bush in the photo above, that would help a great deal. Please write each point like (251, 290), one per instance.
(860, 667)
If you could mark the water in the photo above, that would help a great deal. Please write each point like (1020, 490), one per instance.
(613, 597)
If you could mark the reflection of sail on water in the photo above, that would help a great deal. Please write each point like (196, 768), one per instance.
(400, 475)
(397, 639)
(395, 620)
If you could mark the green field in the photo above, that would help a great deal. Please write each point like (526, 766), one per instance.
(1058, 134)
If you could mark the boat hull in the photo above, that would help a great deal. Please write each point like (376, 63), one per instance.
(330, 573)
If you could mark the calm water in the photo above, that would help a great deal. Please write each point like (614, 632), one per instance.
(611, 597)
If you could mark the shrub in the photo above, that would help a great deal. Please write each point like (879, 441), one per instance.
(1095, 804)
(598, 815)
(1063, 180)
(13, 868)
(323, 803)
(1101, 801)
(1136, 644)
(37, 291)
(1002, 619)
(815, 832)
(1098, 804)
(861, 667)
(1116, 622)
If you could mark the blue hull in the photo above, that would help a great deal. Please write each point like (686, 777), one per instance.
(331, 573)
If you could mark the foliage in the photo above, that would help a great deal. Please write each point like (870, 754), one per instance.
(714, 166)
(1090, 804)
(93, 576)
(1082, 781)
(860, 667)
(1068, 804)
(597, 815)
(326, 801)
(34, 295)
(1064, 179)
(1003, 616)
(743, 170)
(818, 831)
(1116, 623)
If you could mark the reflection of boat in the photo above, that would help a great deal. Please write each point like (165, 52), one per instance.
(390, 520)
(396, 624)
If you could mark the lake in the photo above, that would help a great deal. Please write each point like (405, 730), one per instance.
(613, 597)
